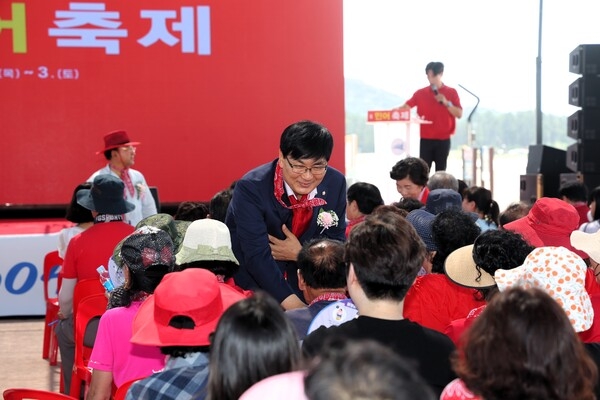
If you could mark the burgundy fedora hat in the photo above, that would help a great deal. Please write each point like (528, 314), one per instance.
(116, 139)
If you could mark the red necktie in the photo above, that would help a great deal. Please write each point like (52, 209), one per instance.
(301, 216)
(127, 181)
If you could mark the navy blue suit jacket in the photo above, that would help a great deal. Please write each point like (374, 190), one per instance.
(254, 212)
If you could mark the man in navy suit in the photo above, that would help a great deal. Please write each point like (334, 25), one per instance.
(278, 206)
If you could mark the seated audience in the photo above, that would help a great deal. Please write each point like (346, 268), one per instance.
(434, 300)
(576, 194)
(147, 255)
(522, 347)
(411, 175)
(79, 215)
(322, 279)
(513, 212)
(253, 340)
(85, 253)
(384, 255)
(363, 198)
(479, 200)
(191, 211)
(473, 266)
(180, 318)
(592, 223)
(207, 245)
(442, 180)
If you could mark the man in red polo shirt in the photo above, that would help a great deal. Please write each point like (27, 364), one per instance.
(439, 104)
(87, 251)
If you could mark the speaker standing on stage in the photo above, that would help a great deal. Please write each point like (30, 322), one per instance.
(439, 104)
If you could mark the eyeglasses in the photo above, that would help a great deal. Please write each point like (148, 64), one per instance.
(128, 148)
(315, 170)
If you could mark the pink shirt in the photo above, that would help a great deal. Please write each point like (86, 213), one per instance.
(114, 352)
(456, 390)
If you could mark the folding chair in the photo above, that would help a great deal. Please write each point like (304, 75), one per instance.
(52, 262)
(122, 390)
(90, 307)
(34, 394)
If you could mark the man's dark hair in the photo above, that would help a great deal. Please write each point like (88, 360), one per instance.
(367, 196)
(386, 253)
(436, 67)
(191, 211)
(347, 369)
(574, 191)
(513, 212)
(451, 229)
(217, 208)
(321, 264)
(414, 168)
(409, 204)
(306, 140)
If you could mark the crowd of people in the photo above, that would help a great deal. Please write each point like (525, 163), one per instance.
(288, 283)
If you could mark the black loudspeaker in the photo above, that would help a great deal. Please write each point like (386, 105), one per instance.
(546, 160)
(584, 125)
(585, 92)
(590, 181)
(585, 59)
(531, 187)
(583, 157)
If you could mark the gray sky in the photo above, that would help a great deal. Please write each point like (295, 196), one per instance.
(490, 47)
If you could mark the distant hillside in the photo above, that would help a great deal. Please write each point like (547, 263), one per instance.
(492, 128)
(360, 97)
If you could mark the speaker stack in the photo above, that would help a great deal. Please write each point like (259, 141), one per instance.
(583, 156)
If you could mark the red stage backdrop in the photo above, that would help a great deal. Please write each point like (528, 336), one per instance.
(206, 86)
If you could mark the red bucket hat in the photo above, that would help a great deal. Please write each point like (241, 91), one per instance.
(193, 293)
(549, 223)
(116, 139)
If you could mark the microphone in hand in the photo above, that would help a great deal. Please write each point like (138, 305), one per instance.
(434, 88)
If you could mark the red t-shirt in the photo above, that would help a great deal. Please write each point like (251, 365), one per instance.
(443, 123)
(92, 248)
(434, 301)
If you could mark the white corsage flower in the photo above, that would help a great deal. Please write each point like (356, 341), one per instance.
(327, 219)
(140, 188)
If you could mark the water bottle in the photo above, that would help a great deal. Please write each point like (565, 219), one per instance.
(105, 278)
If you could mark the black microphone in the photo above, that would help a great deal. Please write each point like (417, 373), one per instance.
(435, 91)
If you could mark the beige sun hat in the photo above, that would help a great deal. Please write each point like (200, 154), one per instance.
(560, 273)
(587, 242)
(462, 270)
(206, 240)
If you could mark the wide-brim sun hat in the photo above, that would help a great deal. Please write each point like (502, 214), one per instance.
(194, 294)
(461, 269)
(550, 222)
(105, 196)
(165, 222)
(588, 243)
(116, 139)
(206, 240)
(559, 272)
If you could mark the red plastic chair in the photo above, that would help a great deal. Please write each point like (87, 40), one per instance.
(84, 288)
(122, 390)
(34, 394)
(89, 307)
(52, 261)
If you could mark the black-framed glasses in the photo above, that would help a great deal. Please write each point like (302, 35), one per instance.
(315, 170)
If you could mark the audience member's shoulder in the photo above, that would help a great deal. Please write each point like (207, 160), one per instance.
(313, 343)
(432, 336)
